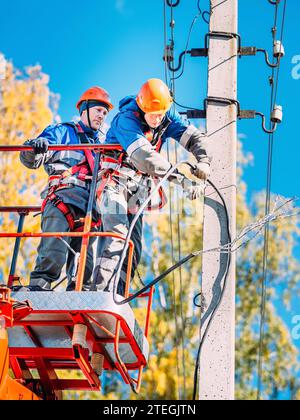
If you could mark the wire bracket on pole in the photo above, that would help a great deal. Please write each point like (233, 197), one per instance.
(274, 2)
(222, 101)
(201, 113)
(276, 117)
(171, 4)
(278, 53)
(224, 35)
(168, 56)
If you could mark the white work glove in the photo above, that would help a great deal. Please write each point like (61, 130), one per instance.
(201, 170)
(191, 189)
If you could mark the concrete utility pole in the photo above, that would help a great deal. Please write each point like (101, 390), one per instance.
(217, 357)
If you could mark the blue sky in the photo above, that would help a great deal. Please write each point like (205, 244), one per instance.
(118, 44)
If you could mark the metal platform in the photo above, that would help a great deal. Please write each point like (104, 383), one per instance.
(49, 325)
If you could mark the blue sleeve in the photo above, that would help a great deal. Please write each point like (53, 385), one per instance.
(126, 130)
(55, 134)
(177, 127)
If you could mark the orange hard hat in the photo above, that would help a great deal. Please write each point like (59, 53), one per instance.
(95, 94)
(154, 97)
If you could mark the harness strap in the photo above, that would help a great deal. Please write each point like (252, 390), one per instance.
(85, 170)
(114, 166)
(57, 202)
(75, 225)
(106, 177)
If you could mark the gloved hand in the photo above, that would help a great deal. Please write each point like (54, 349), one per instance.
(201, 170)
(40, 146)
(192, 190)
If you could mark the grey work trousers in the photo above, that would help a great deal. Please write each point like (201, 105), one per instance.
(116, 218)
(53, 253)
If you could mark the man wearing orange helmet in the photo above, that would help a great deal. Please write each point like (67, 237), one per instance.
(66, 196)
(142, 126)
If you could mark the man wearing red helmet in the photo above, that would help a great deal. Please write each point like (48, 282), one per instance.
(142, 126)
(67, 193)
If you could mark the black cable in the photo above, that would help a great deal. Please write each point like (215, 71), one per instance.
(172, 25)
(221, 295)
(179, 264)
(171, 4)
(182, 56)
(186, 51)
(157, 279)
(183, 53)
(206, 12)
(165, 42)
(198, 7)
(127, 240)
(181, 289)
(183, 106)
(198, 295)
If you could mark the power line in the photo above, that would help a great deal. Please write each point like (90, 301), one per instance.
(182, 332)
(267, 209)
(281, 38)
(173, 277)
(187, 46)
(181, 289)
(171, 225)
(169, 49)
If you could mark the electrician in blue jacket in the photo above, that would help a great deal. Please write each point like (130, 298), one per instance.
(141, 127)
(67, 193)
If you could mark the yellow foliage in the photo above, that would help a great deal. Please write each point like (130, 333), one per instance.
(25, 112)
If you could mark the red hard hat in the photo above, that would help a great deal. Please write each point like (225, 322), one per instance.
(154, 97)
(95, 94)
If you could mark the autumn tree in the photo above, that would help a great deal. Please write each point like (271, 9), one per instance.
(25, 110)
(280, 355)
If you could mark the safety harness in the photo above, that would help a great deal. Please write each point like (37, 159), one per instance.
(117, 164)
(83, 171)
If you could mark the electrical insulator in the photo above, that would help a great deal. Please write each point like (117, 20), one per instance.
(168, 53)
(276, 116)
(278, 50)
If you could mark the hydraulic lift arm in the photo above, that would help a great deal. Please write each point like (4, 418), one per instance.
(10, 389)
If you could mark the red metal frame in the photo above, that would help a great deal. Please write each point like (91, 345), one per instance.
(47, 360)
(77, 234)
(99, 147)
